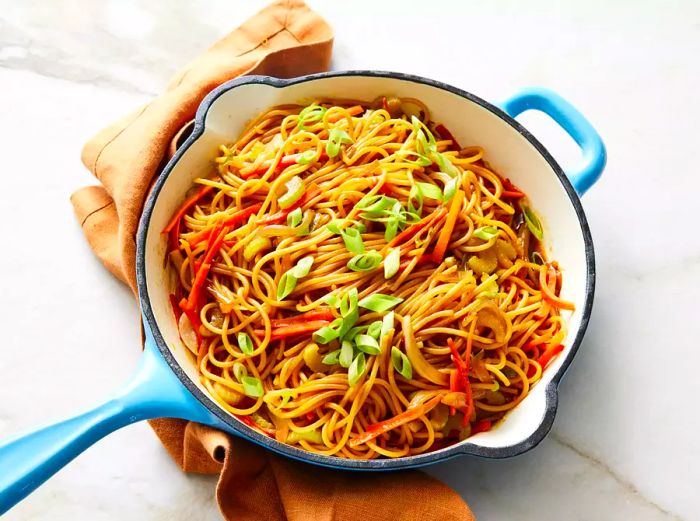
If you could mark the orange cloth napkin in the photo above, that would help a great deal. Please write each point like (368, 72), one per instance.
(285, 39)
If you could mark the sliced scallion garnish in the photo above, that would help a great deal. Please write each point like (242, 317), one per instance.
(289, 279)
(245, 344)
(356, 369)
(379, 302)
(346, 354)
(310, 114)
(295, 189)
(336, 137)
(367, 344)
(486, 232)
(430, 191)
(375, 329)
(533, 223)
(401, 363)
(310, 156)
(387, 323)
(331, 358)
(294, 218)
(392, 262)
(365, 261)
(252, 386)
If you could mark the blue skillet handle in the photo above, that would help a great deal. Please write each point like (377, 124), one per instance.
(153, 392)
(573, 122)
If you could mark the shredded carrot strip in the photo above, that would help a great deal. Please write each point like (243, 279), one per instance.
(317, 314)
(446, 232)
(173, 227)
(410, 414)
(294, 329)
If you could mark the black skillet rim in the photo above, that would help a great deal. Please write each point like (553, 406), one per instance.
(551, 393)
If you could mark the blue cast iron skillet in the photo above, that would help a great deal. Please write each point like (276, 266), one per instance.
(160, 388)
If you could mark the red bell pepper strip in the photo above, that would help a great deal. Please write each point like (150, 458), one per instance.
(512, 195)
(549, 353)
(410, 414)
(190, 304)
(235, 219)
(446, 232)
(281, 216)
(296, 329)
(173, 227)
(454, 387)
(423, 259)
(317, 314)
(444, 133)
(463, 372)
(481, 426)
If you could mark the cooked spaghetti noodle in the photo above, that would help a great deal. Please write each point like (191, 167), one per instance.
(354, 283)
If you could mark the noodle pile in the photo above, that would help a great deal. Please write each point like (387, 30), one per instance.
(354, 283)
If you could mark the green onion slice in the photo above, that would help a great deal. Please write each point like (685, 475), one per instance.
(346, 354)
(379, 302)
(450, 189)
(239, 370)
(375, 329)
(286, 285)
(486, 233)
(255, 246)
(365, 261)
(421, 160)
(310, 114)
(417, 207)
(331, 299)
(295, 189)
(367, 344)
(252, 386)
(387, 323)
(327, 333)
(392, 262)
(401, 363)
(430, 191)
(445, 165)
(356, 369)
(245, 344)
(294, 218)
(302, 267)
(353, 240)
(336, 137)
(533, 223)
(331, 358)
(310, 156)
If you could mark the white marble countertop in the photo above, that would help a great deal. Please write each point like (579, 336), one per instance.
(625, 443)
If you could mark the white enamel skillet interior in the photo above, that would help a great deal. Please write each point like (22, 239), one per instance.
(510, 149)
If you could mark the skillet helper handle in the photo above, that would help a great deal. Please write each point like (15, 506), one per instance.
(29, 460)
(573, 122)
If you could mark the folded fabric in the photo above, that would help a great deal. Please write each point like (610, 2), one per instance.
(285, 39)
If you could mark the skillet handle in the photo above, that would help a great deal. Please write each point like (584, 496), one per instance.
(153, 391)
(573, 122)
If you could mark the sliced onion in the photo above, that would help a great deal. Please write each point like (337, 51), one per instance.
(187, 334)
(227, 394)
(418, 362)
